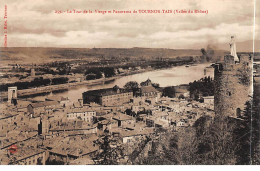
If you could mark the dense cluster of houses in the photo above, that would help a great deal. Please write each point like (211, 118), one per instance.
(58, 130)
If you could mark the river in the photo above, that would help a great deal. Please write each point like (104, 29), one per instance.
(165, 77)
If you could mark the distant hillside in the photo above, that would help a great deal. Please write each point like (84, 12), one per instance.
(39, 55)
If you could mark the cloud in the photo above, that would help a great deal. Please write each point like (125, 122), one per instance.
(34, 23)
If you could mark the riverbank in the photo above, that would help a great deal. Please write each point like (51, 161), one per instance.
(175, 75)
(51, 88)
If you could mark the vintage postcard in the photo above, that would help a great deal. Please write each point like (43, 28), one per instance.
(129, 82)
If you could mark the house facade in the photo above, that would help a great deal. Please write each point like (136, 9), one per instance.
(85, 115)
(108, 97)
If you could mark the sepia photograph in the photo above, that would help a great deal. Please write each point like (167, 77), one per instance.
(129, 82)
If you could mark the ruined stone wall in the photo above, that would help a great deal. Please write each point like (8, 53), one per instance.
(233, 86)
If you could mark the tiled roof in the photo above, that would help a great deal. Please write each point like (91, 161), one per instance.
(27, 149)
(106, 92)
(75, 146)
(80, 110)
(148, 89)
(125, 133)
(44, 104)
(56, 98)
(122, 117)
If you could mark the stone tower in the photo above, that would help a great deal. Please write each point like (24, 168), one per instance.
(233, 85)
(12, 95)
(43, 127)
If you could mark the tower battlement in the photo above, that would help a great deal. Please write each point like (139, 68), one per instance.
(230, 65)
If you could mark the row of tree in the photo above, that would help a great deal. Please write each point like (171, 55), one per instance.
(96, 73)
(37, 82)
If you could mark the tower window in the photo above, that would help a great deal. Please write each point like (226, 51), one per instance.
(238, 112)
(229, 93)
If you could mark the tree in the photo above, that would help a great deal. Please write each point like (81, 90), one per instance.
(248, 134)
(186, 147)
(132, 85)
(216, 142)
(109, 71)
(207, 54)
(208, 141)
(59, 80)
(156, 85)
(181, 96)
(110, 152)
(169, 92)
(95, 73)
(54, 162)
(91, 77)
(203, 51)
(130, 112)
(204, 86)
(255, 125)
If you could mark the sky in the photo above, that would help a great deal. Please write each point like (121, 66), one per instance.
(34, 23)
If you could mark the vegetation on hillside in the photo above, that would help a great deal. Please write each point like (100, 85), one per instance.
(202, 87)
